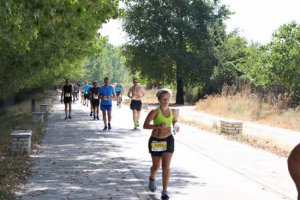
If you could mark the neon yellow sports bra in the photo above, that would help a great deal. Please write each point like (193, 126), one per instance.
(162, 119)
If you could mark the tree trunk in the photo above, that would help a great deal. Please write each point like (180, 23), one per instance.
(179, 94)
(179, 70)
(33, 104)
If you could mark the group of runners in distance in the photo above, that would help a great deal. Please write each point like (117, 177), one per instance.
(161, 142)
(160, 120)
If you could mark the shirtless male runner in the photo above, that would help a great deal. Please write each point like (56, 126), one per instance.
(135, 93)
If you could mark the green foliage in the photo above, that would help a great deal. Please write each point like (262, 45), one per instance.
(285, 56)
(43, 41)
(110, 62)
(231, 54)
(174, 40)
(276, 63)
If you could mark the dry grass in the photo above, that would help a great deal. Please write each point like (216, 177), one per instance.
(250, 108)
(262, 143)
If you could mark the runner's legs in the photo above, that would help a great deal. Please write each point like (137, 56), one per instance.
(104, 117)
(70, 108)
(109, 116)
(166, 161)
(156, 160)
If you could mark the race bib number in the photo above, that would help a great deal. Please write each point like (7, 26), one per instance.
(67, 94)
(96, 97)
(159, 146)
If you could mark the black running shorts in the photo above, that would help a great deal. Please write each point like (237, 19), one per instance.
(158, 146)
(136, 105)
(67, 99)
(86, 96)
(95, 102)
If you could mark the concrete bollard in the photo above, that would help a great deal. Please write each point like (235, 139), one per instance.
(145, 106)
(47, 101)
(37, 117)
(21, 141)
(44, 108)
(231, 126)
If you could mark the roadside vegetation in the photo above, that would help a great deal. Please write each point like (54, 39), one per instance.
(14, 167)
(250, 107)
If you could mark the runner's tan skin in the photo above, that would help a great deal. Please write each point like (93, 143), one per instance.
(294, 167)
(161, 131)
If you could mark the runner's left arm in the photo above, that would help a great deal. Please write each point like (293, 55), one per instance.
(113, 92)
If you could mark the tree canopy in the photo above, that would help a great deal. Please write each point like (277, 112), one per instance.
(43, 41)
(110, 62)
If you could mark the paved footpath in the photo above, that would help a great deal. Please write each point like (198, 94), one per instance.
(79, 161)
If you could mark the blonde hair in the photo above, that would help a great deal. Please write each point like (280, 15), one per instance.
(160, 92)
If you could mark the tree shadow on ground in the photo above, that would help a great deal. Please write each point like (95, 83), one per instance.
(79, 161)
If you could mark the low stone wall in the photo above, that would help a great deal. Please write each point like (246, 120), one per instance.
(37, 117)
(44, 107)
(21, 141)
(231, 126)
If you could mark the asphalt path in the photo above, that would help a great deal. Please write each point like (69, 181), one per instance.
(79, 161)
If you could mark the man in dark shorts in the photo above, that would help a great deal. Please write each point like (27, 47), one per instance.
(95, 96)
(135, 93)
(67, 92)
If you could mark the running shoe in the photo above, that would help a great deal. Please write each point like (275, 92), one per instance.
(152, 186)
(70, 117)
(109, 126)
(105, 128)
(164, 195)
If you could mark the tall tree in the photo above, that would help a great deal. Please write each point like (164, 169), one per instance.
(174, 41)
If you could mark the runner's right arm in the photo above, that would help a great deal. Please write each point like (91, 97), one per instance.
(62, 93)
